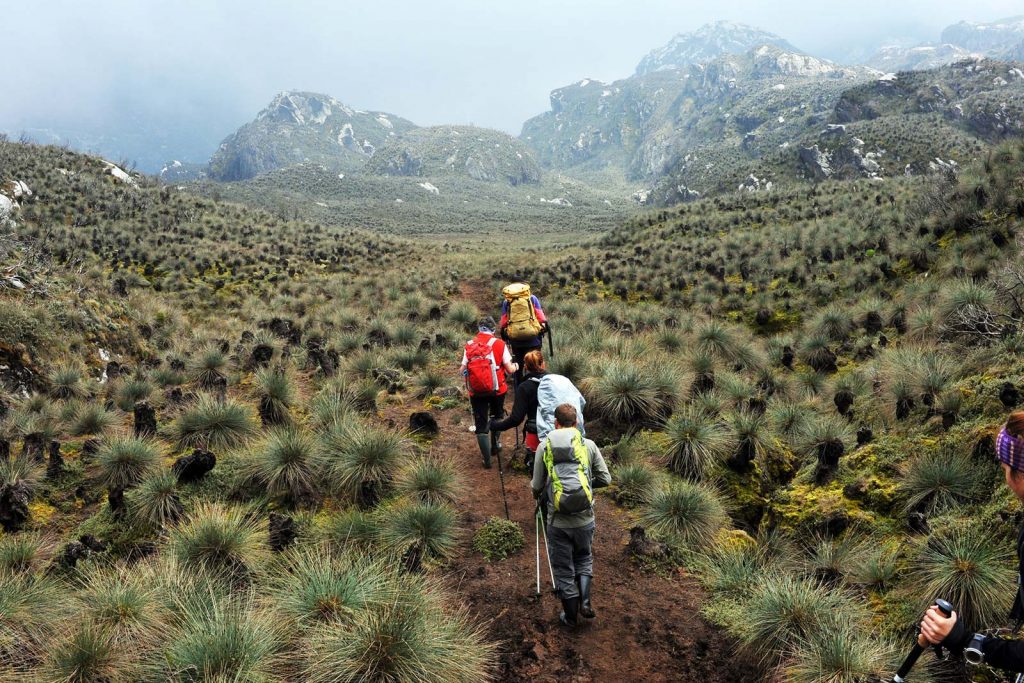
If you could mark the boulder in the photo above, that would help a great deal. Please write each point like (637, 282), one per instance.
(641, 546)
(14, 500)
(423, 423)
(818, 164)
(194, 467)
(1009, 395)
(145, 419)
(282, 532)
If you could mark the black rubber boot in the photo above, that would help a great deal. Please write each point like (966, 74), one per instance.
(586, 611)
(484, 441)
(570, 608)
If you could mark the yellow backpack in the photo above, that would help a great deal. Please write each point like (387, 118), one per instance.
(522, 318)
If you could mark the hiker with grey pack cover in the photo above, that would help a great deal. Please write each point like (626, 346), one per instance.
(567, 469)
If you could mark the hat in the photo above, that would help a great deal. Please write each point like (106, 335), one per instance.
(487, 324)
(1010, 449)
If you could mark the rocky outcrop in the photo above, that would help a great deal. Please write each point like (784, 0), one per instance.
(298, 127)
(707, 43)
(817, 163)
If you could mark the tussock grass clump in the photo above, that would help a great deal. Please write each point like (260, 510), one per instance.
(67, 381)
(696, 443)
(276, 394)
(408, 640)
(24, 552)
(124, 460)
(352, 528)
(285, 463)
(155, 502)
(213, 423)
(426, 530)
(87, 652)
(785, 609)
(131, 392)
(219, 539)
(843, 653)
(967, 566)
(209, 368)
(685, 514)
(626, 396)
(29, 609)
(92, 419)
(635, 483)
(937, 482)
(429, 480)
(361, 461)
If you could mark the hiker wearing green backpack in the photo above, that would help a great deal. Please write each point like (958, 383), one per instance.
(566, 470)
(523, 323)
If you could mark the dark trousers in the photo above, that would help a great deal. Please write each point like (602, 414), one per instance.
(484, 408)
(518, 354)
(572, 555)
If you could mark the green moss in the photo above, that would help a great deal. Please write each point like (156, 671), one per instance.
(498, 538)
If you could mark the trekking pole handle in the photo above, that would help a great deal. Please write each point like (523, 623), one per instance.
(915, 652)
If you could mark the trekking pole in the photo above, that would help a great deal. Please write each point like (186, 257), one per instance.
(501, 475)
(547, 551)
(551, 348)
(536, 528)
(915, 652)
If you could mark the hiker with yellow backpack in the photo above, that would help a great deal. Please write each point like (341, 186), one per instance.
(566, 470)
(523, 323)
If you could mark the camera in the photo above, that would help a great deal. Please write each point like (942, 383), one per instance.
(974, 653)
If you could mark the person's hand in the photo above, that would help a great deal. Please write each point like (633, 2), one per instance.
(936, 627)
(515, 368)
(491, 424)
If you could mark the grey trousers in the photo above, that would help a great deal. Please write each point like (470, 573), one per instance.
(571, 556)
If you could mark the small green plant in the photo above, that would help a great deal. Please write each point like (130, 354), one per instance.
(498, 538)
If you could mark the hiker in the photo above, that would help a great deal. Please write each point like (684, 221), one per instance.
(566, 470)
(485, 363)
(523, 322)
(950, 632)
(525, 406)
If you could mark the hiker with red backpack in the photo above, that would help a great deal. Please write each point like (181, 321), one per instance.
(523, 323)
(525, 406)
(485, 363)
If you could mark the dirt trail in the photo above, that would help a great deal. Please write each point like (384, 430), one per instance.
(647, 627)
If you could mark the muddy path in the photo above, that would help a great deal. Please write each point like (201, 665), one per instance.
(648, 627)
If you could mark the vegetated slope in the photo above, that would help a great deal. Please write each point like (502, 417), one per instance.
(302, 552)
(466, 151)
(299, 127)
(446, 204)
(824, 371)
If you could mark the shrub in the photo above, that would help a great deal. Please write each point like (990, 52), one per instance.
(842, 653)
(685, 514)
(936, 482)
(696, 443)
(286, 463)
(498, 538)
(213, 423)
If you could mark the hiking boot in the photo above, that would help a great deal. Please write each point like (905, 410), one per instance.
(586, 611)
(570, 608)
(484, 441)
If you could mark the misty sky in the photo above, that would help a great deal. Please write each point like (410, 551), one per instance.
(199, 68)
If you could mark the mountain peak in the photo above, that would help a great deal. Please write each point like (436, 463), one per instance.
(708, 42)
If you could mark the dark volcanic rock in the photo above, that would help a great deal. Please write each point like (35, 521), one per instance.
(55, 464)
(1009, 395)
(14, 500)
(145, 419)
(282, 531)
(641, 546)
(194, 467)
(423, 423)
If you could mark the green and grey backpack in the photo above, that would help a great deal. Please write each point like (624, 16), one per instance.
(569, 476)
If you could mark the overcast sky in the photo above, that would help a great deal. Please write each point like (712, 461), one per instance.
(211, 65)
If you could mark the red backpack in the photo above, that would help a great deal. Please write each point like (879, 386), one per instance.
(481, 370)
